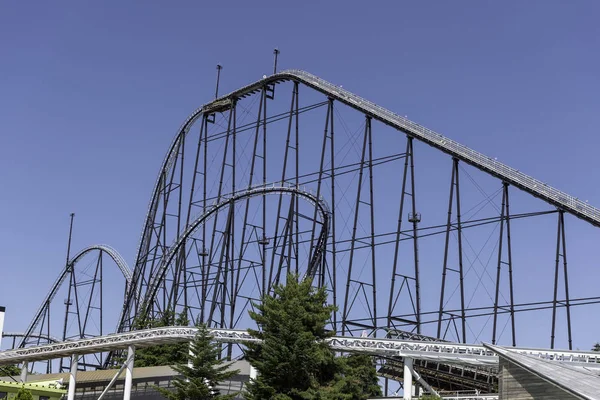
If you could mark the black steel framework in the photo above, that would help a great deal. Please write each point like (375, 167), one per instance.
(259, 183)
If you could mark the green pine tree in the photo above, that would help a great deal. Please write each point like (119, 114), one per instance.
(360, 378)
(10, 370)
(199, 381)
(292, 361)
(23, 394)
(596, 347)
(165, 354)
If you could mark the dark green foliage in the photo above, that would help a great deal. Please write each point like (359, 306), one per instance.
(293, 361)
(430, 397)
(24, 394)
(596, 347)
(205, 373)
(360, 377)
(165, 354)
(10, 370)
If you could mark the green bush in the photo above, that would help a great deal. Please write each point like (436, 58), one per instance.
(24, 394)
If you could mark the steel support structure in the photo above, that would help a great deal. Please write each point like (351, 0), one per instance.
(248, 138)
(505, 226)
(237, 206)
(561, 252)
(364, 289)
(453, 353)
(407, 289)
(450, 226)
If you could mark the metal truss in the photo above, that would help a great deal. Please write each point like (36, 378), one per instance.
(454, 353)
(243, 198)
(510, 175)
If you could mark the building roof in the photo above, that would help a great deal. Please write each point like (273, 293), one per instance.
(43, 389)
(578, 381)
(139, 373)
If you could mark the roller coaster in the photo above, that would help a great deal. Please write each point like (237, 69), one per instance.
(295, 174)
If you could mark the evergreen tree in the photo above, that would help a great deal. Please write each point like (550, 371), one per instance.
(164, 354)
(10, 370)
(292, 361)
(596, 347)
(23, 394)
(199, 381)
(360, 378)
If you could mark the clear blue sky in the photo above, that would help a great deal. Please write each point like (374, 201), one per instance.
(91, 94)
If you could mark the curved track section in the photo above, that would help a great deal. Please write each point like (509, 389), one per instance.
(366, 189)
(119, 261)
(20, 335)
(314, 263)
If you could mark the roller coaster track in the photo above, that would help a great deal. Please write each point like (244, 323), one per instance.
(212, 210)
(454, 353)
(14, 335)
(121, 264)
(484, 163)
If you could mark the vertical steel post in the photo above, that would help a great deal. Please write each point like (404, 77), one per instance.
(129, 373)
(393, 297)
(510, 267)
(354, 228)
(264, 197)
(497, 295)
(321, 173)
(333, 287)
(68, 302)
(445, 263)
(460, 255)
(73, 377)
(566, 274)
(372, 215)
(561, 242)
(24, 367)
(180, 261)
(280, 201)
(297, 181)
(276, 53)
(555, 302)
(187, 221)
(219, 68)
(205, 268)
(415, 221)
(407, 382)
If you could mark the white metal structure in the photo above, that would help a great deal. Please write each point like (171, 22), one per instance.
(452, 353)
(445, 352)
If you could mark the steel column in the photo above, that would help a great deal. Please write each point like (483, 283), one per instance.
(407, 382)
(129, 373)
(73, 377)
(454, 189)
(561, 242)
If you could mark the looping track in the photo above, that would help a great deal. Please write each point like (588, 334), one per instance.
(330, 170)
(215, 208)
(119, 261)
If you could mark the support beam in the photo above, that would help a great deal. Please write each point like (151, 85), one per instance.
(129, 373)
(112, 381)
(407, 382)
(24, 367)
(73, 377)
(421, 380)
